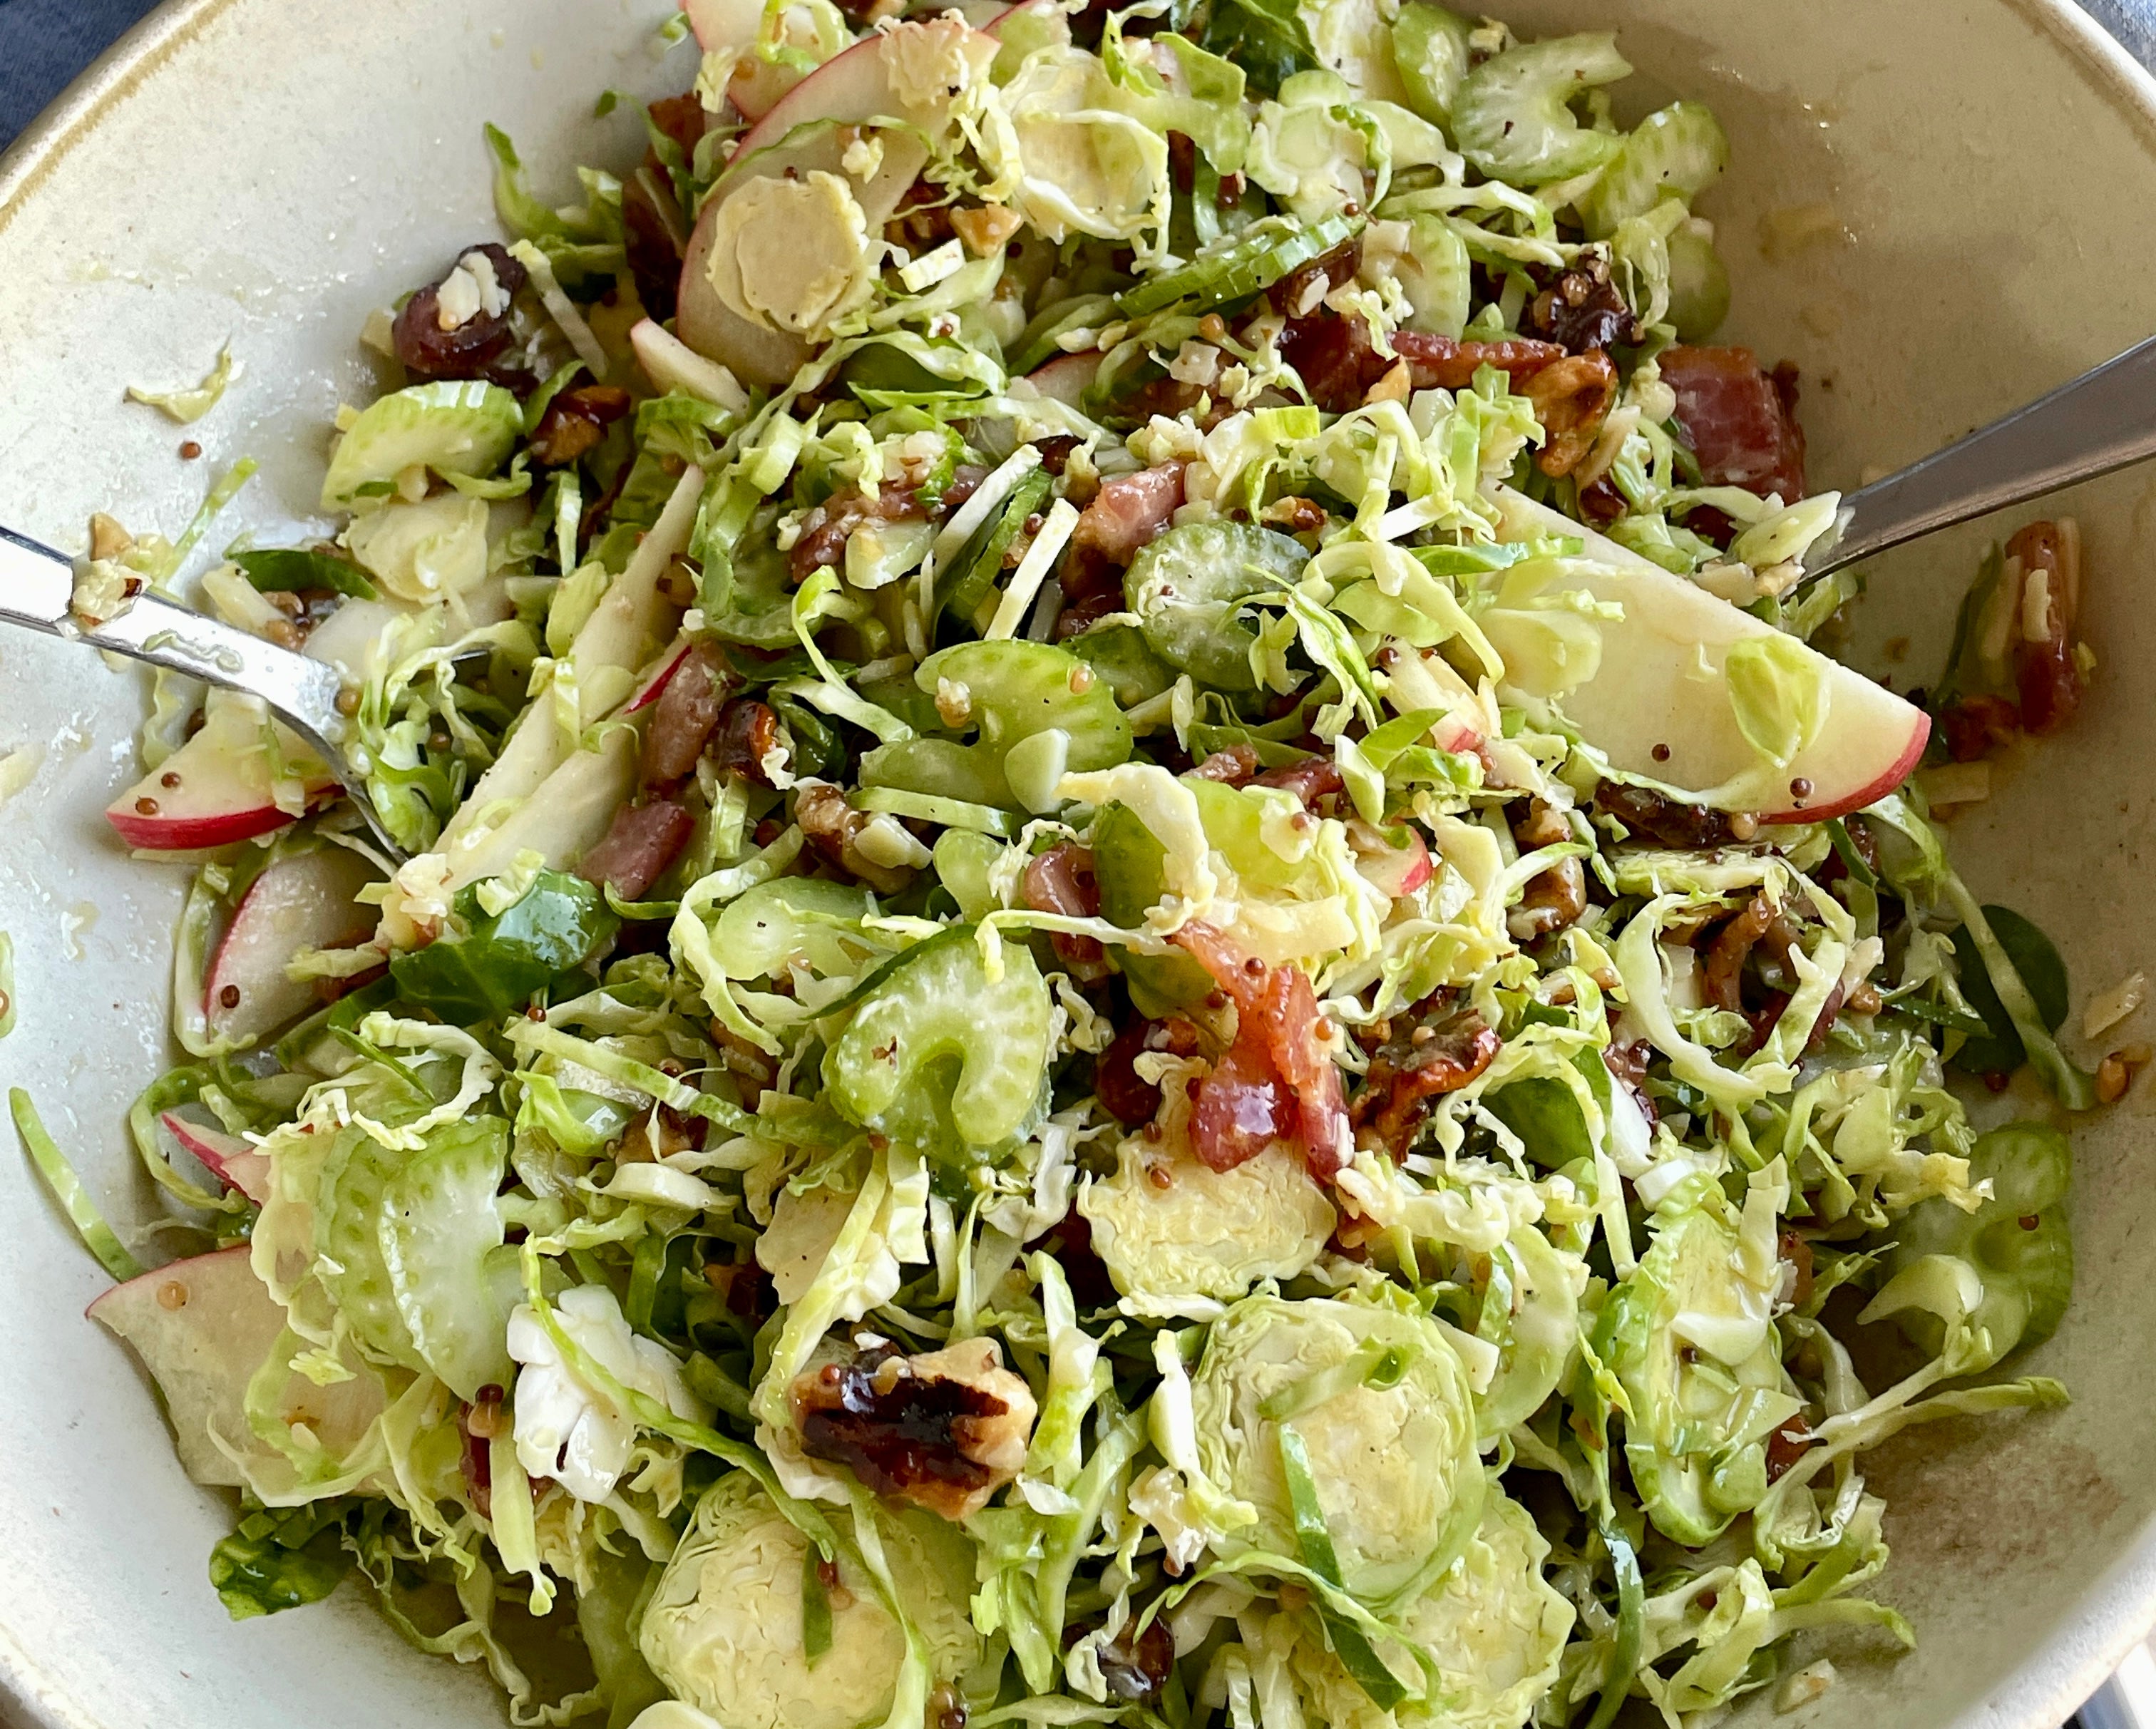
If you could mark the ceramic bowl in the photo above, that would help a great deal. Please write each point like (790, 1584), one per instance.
(1975, 177)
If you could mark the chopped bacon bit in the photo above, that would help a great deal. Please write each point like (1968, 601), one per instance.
(2046, 671)
(683, 717)
(1061, 880)
(1128, 512)
(1738, 420)
(1276, 1081)
(1235, 767)
(1447, 363)
(1437, 1048)
(642, 842)
(825, 530)
(1312, 779)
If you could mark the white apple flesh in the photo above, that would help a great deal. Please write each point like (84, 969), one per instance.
(1654, 711)
(1067, 377)
(305, 901)
(203, 1327)
(671, 364)
(215, 789)
(236, 1163)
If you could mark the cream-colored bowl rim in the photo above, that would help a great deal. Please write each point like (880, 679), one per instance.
(2048, 1688)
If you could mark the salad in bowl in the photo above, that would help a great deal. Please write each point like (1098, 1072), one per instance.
(1141, 967)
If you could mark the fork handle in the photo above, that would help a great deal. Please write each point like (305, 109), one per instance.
(2102, 420)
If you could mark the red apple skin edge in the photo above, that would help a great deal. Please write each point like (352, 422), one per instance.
(1904, 765)
(160, 835)
(652, 691)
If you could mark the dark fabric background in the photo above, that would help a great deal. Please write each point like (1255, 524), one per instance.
(44, 43)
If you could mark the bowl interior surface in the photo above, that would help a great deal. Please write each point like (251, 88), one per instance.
(269, 171)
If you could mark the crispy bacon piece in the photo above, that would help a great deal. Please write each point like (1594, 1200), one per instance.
(1737, 419)
(1061, 880)
(1128, 512)
(1447, 363)
(1124, 1093)
(1437, 1049)
(1235, 767)
(1572, 398)
(683, 717)
(2046, 672)
(642, 842)
(1310, 779)
(1277, 1080)
(825, 530)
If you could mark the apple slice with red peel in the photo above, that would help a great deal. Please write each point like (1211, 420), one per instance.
(305, 901)
(215, 789)
(798, 136)
(1394, 871)
(655, 685)
(1067, 377)
(1425, 681)
(236, 1163)
(202, 1328)
(756, 84)
(1657, 708)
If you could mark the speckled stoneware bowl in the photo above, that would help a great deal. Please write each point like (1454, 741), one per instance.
(266, 171)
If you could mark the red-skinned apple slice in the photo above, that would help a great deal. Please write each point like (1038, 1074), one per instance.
(796, 137)
(203, 1327)
(1067, 377)
(215, 789)
(1396, 870)
(305, 901)
(234, 1162)
(655, 686)
(1649, 696)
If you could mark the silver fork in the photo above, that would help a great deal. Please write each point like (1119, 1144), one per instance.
(37, 585)
(2103, 420)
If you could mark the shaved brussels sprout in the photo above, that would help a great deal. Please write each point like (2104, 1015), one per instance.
(1171, 1229)
(451, 429)
(1531, 1313)
(941, 1057)
(794, 920)
(1513, 117)
(1689, 1337)
(1381, 1401)
(2017, 1243)
(726, 1629)
(1494, 1625)
(1040, 711)
(405, 1241)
